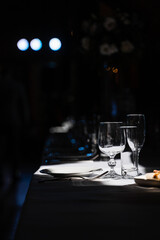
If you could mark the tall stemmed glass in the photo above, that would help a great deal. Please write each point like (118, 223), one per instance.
(111, 141)
(137, 120)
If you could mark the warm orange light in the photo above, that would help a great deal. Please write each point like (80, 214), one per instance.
(115, 70)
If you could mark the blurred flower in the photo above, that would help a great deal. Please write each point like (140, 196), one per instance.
(114, 33)
(86, 43)
(127, 46)
(106, 49)
(109, 23)
(124, 17)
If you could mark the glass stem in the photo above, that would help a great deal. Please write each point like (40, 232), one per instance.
(112, 164)
(136, 158)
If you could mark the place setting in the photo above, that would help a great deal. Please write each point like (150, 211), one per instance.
(119, 145)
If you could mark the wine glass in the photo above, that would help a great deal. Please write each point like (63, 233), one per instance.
(129, 164)
(136, 142)
(111, 141)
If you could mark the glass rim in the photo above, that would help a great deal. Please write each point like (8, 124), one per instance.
(127, 127)
(111, 122)
(135, 114)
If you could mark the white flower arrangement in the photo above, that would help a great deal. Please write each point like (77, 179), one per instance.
(119, 33)
(108, 49)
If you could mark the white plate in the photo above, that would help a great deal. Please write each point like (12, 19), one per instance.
(64, 174)
(143, 181)
(68, 169)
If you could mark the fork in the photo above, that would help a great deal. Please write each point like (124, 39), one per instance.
(71, 176)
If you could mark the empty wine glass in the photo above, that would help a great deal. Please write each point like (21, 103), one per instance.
(136, 142)
(129, 164)
(111, 141)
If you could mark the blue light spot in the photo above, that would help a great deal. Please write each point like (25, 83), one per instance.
(73, 141)
(81, 148)
(36, 44)
(55, 44)
(23, 44)
(86, 146)
(89, 154)
(114, 109)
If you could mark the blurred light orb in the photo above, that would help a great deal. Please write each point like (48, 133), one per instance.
(36, 44)
(55, 44)
(23, 44)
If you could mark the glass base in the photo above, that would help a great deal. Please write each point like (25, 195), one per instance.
(112, 174)
(129, 176)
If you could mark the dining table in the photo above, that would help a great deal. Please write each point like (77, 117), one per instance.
(66, 200)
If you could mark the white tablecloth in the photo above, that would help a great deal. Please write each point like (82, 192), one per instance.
(80, 209)
(85, 166)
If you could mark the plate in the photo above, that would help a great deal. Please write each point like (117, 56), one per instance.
(67, 170)
(65, 174)
(144, 181)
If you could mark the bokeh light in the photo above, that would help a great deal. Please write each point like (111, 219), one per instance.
(23, 44)
(36, 44)
(55, 44)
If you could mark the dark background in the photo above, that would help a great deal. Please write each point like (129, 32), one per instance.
(41, 89)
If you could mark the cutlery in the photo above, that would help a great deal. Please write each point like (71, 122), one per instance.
(69, 176)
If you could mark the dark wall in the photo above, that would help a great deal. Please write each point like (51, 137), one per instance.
(52, 85)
